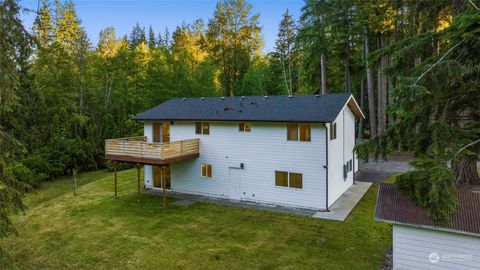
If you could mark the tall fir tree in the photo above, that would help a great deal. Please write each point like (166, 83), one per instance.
(152, 42)
(15, 49)
(43, 25)
(233, 38)
(286, 51)
(137, 36)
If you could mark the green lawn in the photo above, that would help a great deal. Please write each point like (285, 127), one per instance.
(95, 231)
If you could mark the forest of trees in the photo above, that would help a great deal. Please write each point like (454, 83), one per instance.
(412, 65)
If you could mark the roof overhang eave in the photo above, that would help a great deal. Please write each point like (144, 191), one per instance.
(422, 226)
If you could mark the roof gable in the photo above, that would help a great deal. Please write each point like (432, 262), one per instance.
(318, 108)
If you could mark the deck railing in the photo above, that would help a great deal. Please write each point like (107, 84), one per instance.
(138, 148)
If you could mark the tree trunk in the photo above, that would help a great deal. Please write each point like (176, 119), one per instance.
(362, 104)
(466, 172)
(390, 98)
(381, 91)
(289, 59)
(346, 62)
(323, 74)
(371, 96)
(285, 76)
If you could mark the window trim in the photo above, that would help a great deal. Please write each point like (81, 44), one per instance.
(349, 166)
(298, 136)
(201, 126)
(292, 126)
(288, 180)
(333, 131)
(242, 127)
(309, 132)
(206, 170)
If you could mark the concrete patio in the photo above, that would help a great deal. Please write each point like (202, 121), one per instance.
(338, 211)
(184, 200)
(341, 208)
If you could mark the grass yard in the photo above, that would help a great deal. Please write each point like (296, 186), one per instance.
(95, 231)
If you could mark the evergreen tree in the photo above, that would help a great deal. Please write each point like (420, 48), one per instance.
(233, 38)
(43, 25)
(286, 51)
(107, 42)
(137, 36)
(152, 43)
(166, 38)
(436, 104)
(67, 31)
(15, 48)
(314, 43)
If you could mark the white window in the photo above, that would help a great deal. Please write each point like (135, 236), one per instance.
(299, 132)
(288, 179)
(244, 127)
(206, 170)
(202, 128)
(333, 131)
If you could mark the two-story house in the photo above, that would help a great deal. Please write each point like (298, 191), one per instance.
(285, 150)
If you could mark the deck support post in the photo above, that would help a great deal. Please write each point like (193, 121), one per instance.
(139, 167)
(115, 177)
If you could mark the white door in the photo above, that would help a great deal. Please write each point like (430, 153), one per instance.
(235, 176)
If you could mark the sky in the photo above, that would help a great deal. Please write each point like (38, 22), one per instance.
(124, 14)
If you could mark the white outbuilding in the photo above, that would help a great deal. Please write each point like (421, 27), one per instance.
(419, 243)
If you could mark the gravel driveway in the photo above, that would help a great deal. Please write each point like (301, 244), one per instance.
(378, 170)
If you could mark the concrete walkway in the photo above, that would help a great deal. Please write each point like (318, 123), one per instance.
(338, 211)
(345, 204)
(183, 199)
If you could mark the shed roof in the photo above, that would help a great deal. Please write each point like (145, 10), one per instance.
(311, 108)
(394, 207)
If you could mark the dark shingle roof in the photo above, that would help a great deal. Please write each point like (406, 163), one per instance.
(393, 206)
(321, 108)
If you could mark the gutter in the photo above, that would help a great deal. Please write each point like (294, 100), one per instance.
(426, 227)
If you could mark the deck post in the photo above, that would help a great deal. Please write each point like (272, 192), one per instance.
(138, 177)
(115, 177)
(164, 186)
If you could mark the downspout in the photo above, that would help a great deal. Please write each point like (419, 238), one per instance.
(353, 153)
(345, 175)
(326, 166)
(353, 161)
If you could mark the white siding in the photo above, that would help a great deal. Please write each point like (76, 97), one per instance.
(340, 151)
(148, 176)
(412, 248)
(262, 151)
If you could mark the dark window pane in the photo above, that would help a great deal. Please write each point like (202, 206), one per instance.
(247, 127)
(241, 127)
(296, 180)
(156, 132)
(198, 128)
(305, 133)
(204, 169)
(281, 179)
(333, 131)
(292, 132)
(209, 170)
(206, 128)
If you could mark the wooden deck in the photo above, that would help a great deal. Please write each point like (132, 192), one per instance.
(137, 150)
